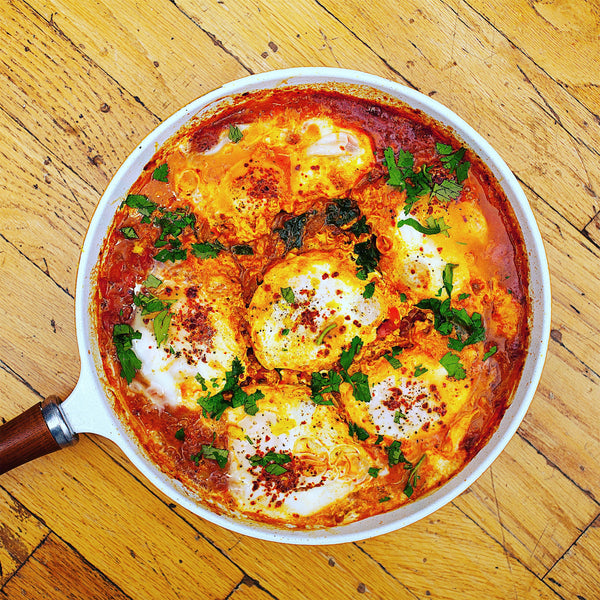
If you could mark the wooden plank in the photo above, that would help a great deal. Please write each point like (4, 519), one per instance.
(42, 349)
(49, 227)
(447, 556)
(573, 259)
(451, 53)
(20, 534)
(304, 34)
(501, 502)
(249, 590)
(577, 575)
(44, 576)
(157, 53)
(73, 108)
(328, 572)
(563, 421)
(592, 230)
(561, 37)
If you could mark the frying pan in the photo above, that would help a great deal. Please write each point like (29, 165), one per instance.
(53, 424)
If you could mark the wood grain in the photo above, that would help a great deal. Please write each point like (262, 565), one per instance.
(44, 576)
(20, 535)
(83, 82)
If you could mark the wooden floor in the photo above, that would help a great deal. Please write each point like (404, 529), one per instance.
(82, 82)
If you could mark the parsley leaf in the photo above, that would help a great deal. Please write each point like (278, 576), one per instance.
(359, 432)
(419, 370)
(144, 206)
(373, 472)
(292, 231)
(395, 454)
(242, 250)
(123, 336)
(446, 191)
(161, 326)
(235, 134)
(205, 250)
(369, 290)
(434, 226)
(152, 281)
(180, 434)
(367, 257)
(347, 356)
(490, 352)
(271, 462)
(288, 295)
(129, 233)
(341, 213)
(451, 362)
(413, 477)
(447, 277)
(214, 406)
(161, 172)
(324, 384)
(453, 161)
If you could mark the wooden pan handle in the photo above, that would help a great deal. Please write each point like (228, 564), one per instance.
(40, 430)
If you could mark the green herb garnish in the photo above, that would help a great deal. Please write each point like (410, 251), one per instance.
(451, 362)
(161, 172)
(123, 336)
(235, 134)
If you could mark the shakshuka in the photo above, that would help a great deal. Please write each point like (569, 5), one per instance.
(312, 306)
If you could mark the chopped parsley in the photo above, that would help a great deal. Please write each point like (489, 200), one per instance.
(123, 336)
(413, 477)
(330, 381)
(446, 191)
(373, 472)
(391, 357)
(129, 233)
(221, 455)
(150, 304)
(434, 226)
(367, 257)
(231, 395)
(451, 362)
(152, 281)
(453, 161)
(161, 172)
(242, 250)
(359, 432)
(419, 370)
(369, 290)
(271, 462)
(288, 295)
(180, 434)
(398, 415)
(396, 456)
(141, 203)
(235, 134)
(323, 333)
(490, 352)
(341, 213)
(206, 250)
(172, 224)
(324, 384)
(359, 381)
(447, 277)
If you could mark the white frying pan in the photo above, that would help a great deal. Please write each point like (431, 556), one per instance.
(49, 426)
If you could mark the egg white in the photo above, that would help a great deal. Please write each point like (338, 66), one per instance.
(331, 464)
(203, 339)
(327, 295)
